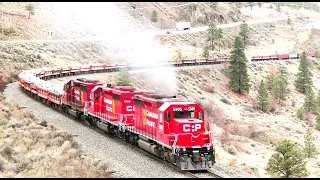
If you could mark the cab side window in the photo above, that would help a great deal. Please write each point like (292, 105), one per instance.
(96, 95)
(167, 116)
(201, 116)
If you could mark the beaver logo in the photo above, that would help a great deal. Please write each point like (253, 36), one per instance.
(113, 106)
(144, 117)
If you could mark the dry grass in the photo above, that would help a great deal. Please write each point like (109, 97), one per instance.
(31, 148)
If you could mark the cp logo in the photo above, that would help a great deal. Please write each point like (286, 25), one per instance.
(192, 128)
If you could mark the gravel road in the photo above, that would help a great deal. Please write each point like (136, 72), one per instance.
(121, 159)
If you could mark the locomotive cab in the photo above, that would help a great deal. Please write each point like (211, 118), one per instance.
(191, 142)
(176, 124)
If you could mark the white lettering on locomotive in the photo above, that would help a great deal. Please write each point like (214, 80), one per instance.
(108, 101)
(126, 101)
(150, 123)
(191, 108)
(130, 108)
(152, 114)
(76, 92)
(109, 109)
(192, 128)
(177, 109)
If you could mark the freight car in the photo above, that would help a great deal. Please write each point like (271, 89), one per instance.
(170, 128)
(280, 57)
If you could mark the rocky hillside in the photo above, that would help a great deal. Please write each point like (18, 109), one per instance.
(199, 13)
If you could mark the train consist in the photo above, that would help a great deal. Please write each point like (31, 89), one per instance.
(170, 128)
(165, 126)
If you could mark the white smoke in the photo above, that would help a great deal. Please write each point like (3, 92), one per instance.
(122, 37)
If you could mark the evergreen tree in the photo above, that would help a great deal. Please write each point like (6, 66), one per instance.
(304, 76)
(205, 52)
(30, 8)
(238, 70)
(318, 101)
(263, 97)
(219, 36)
(270, 83)
(300, 113)
(288, 162)
(244, 31)
(309, 100)
(318, 122)
(123, 78)
(279, 87)
(309, 146)
(154, 16)
(283, 72)
(211, 34)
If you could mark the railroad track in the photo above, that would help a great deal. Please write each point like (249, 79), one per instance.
(204, 174)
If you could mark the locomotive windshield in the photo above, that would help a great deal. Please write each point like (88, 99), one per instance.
(180, 114)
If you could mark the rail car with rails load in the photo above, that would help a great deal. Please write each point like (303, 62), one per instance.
(280, 57)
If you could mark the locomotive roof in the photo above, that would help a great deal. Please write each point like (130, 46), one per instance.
(167, 104)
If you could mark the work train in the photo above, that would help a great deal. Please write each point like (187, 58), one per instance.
(165, 126)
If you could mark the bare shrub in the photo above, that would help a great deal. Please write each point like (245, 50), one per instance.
(250, 131)
(273, 103)
(66, 146)
(208, 108)
(310, 119)
(231, 150)
(2, 163)
(206, 87)
(226, 101)
(225, 66)
(7, 151)
(219, 116)
(73, 153)
(225, 135)
(239, 148)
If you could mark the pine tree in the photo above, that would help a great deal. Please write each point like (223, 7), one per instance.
(318, 101)
(211, 34)
(244, 31)
(123, 78)
(288, 162)
(205, 52)
(309, 100)
(219, 35)
(318, 122)
(263, 97)
(309, 146)
(304, 76)
(270, 82)
(238, 71)
(154, 16)
(279, 87)
(30, 8)
(283, 72)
